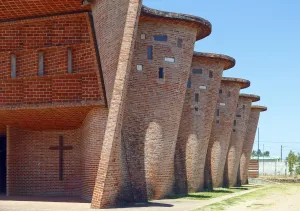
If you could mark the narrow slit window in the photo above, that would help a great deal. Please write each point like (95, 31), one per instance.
(41, 64)
(211, 74)
(197, 71)
(179, 43)
(234, 123)
(70, 53)
(218, 112)
(229, 94)
(13, 64)
(161, 73)
(162, 38)
(150, 52)
(189, 83)
(196, 97)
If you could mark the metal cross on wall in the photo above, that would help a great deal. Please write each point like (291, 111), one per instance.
(61, 149)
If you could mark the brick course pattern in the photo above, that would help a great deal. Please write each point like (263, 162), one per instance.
(196, 120)
(116, 24)
(221, 130)
(237, 139)
(33, 167)
(151, 127)
(249, 141)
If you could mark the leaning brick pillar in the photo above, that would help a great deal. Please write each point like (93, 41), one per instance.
(221, 130)
(238, 134)
(196, 121)
(157, 84)
(115, 23)
(249, 141)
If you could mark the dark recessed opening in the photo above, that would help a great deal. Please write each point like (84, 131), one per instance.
(2, 164)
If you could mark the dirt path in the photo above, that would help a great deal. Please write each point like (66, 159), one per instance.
(283, 197)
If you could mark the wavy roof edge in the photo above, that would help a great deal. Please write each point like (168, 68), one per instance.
(203, 25)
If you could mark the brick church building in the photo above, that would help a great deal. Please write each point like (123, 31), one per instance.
(106, 100)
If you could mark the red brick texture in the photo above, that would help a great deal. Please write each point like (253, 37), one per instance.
(23, 9)
(238, 134)
(196, 123)
(33, 167)
(153, 107)
(92, 132)
(249, 141)
(53, 36)
(221, 131)
(115, 26)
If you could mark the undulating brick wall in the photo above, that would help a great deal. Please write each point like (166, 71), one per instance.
(237, 139)
(153, 107)
(249, 141)
(33, 169)
(115, 23)
(52, 36)
(196, 123)
(221, 131)
(92, 133)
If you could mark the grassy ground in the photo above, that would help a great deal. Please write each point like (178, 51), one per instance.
(217, 192)
(259, 199)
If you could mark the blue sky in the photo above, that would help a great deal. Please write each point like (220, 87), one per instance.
(264, 38)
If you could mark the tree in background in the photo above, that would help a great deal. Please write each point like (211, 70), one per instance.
(259, 153)
(292, 159)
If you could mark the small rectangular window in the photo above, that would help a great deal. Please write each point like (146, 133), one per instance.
(234, 123)
(69, 60)
(203, 87)
(196, 109)
(218, 121)
(161, 73)
(234, 130)
(218, 112)
(239, 116)
(220, 91)
(171, 60)
(196, 97)
(41, 64)
(143, 36)
(197, 71)
(179, 43)
(222, 104)
(229, 94)
(150, 52)
(211, 74)
(163, 38)
(189, 83)
(13, 65)
(139, 67)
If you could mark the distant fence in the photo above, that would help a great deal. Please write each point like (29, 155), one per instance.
(267, 168)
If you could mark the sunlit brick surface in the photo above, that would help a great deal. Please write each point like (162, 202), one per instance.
(195, 126)
(221, 131)
(249, 141)
(237, 139)
(154, 106)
